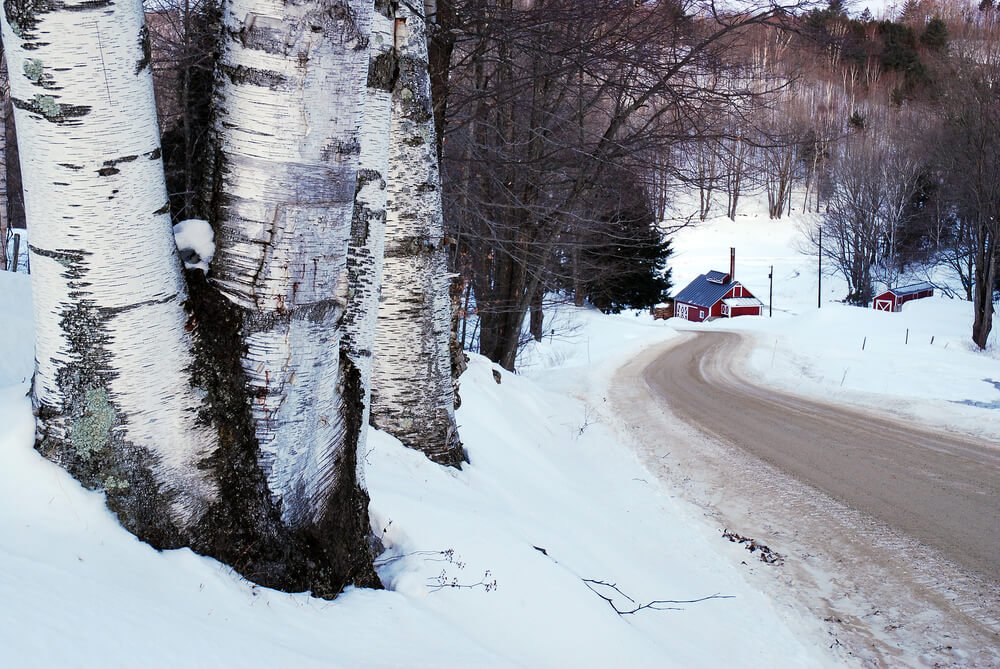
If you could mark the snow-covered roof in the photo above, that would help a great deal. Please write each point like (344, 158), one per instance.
(715, 276)
(742, 302)
(900, 291)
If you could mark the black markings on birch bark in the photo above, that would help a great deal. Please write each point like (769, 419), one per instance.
(386, 8)
(242, 74)
(23, 16)
(383, 70)
(51, 110)
(283, 190)
(413, 396)
(244, 528)
(145, 48)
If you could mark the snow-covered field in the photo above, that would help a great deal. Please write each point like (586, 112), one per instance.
(488, 566)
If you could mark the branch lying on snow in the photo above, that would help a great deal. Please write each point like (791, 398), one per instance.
(766, 554)
(442, 581)
(430, 556)
(654, 605)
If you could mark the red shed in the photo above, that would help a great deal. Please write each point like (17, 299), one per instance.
(716, 294)
(894, 298)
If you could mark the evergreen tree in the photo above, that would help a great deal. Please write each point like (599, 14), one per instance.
(912, 12)
(628, 269)
(899, 54)
(935, 35)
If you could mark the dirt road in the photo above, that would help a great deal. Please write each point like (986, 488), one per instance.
(941, 489)
(893, 531)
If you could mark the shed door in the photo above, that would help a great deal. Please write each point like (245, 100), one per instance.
(883, 305)
(682, 310)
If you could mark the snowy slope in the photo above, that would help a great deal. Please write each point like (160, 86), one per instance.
(484, 567)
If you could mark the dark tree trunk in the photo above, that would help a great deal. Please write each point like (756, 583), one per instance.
(15, 193)
(983, 294)
(537, 315)
(440, 46)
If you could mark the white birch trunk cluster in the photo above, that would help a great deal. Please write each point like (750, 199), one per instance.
(112, 385)
(227, 415)
(413, 397)
(289, 94)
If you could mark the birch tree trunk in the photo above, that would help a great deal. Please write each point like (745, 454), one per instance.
(367, 244)
(413, 398)
(4, 201)
(289, 96)
(112, 389)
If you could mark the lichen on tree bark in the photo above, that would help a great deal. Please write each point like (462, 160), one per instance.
(112, 388)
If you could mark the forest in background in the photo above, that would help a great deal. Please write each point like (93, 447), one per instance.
(542, 201)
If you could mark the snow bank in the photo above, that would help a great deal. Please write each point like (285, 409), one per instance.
(486, 566)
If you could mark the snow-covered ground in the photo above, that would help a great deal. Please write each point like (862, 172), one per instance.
(489, 566)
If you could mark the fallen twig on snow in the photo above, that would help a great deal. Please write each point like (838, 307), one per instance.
(654, 605)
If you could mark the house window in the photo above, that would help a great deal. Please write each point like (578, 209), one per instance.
(701, 313)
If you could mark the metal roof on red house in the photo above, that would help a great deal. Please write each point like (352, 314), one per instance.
(706, 290)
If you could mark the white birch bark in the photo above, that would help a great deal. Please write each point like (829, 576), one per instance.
(112, 385)
(4, 219)
(289, 94)
(367, 246)
(413, 398)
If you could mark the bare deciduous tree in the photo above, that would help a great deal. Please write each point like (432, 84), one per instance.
(968, 155)
(875, 177)
(545, 101)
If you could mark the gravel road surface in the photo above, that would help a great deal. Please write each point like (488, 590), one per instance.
(942, 489)
(890, 530)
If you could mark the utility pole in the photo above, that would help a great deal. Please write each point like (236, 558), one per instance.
(770, 293)
(819, 273)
